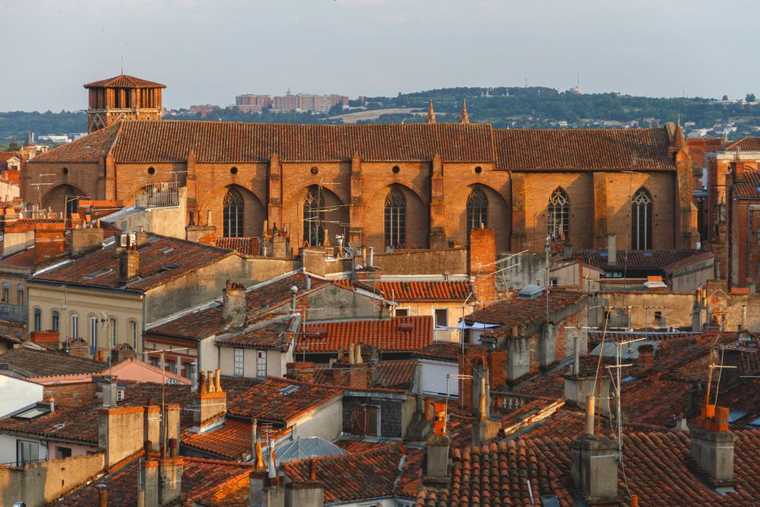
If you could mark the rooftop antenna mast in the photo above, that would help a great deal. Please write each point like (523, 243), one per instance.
(617, 381)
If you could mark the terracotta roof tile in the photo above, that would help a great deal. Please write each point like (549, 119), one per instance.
(245, 246)
(260, 299)
(169, 141)
(747, 186)
(656, 469)
(583, 149)
(26, 362)
(425, 291)
(207, 482)
(90, 148)
(390, 335)
(231, 440)
(523, 311)
(272, 334)
(124, 81)
(275, 400)
(162, 259)
(395, 374)
(655, 260)
(744, 144)
(354, 476)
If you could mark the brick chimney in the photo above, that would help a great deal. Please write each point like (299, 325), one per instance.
(86, 239)
(594, 466)
(148, 492)
(152, 428)
(49, 241)
(171, 467)
(712, 446)
(129, 264)
(482, 264)
(212, 402)
(437, 450)
(120, 432)
(233, 305)
(309, 493)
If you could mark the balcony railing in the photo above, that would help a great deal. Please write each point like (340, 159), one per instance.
(15, 313)
(158, 195)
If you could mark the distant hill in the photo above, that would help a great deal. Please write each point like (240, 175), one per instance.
(501, 106)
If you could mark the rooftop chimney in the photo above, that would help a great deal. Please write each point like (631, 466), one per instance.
(171, 468)
(152, 428)
(234, 305)
(129, 264)
(309, 493)
(85, 239)
(110, 392)
(594, 464)
(437, 450)
(712, 446)
(212, 404)
(611, 249)
(102, 495)
(148, 487)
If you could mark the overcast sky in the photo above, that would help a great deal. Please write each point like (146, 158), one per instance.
(207, 51)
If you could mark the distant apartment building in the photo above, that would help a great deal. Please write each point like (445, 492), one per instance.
(251, 103)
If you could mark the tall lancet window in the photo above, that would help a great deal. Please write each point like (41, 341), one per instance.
(233, 214)
(558, 215)
(395, 219)
(477, 210)
(313, 217)
(641, 220)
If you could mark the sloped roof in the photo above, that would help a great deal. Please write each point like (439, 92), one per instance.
(656, 469)
(169, 141)
(744, 144)
(419, 291)
(353, 476)
(583, 149)
(89, 148)
(26, 362)
(747, 185)
(389, 335)
(124, 81)
(162, 259)
(519, 311)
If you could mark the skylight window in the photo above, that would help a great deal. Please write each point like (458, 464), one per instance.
(33, 412)
(755, 423)
(288, 390)
(98, 273)
(735, 415)
(167, 250)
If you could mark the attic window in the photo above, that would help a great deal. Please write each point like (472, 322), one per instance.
(735, 415)
(33, 412)
(168, 267)
(167, 250)
(98, 273)
(288, 390)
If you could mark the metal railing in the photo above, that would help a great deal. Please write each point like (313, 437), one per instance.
(15, 313)
(158, 195)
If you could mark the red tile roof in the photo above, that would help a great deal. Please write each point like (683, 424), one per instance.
(276, 400)
(399, 334)
(27, 362)
(162, 259)
(263, 298)
(124, 81)
(396, 374)
(656, 469)
(655, 260)
(583, 149)
(522, 311)
(747, 185)
(207, 482)
(232, 440)
(171, 141)
(245, 246)
(744, 144)
(354, 476)
(267, 335)
(425, 291)
(90, 148)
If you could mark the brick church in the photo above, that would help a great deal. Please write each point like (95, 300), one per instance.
(395, 187)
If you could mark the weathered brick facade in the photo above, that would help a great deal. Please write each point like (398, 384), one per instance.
(435, 167)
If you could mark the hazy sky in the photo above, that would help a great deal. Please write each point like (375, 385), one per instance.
(207, 51)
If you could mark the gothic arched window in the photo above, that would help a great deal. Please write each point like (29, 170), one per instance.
(477, 210)
(641, 220)
(558, 215)
(313, 216)
(395, 219)
(233, 214)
